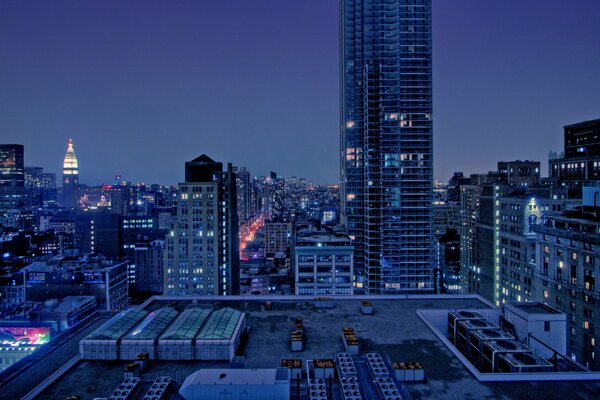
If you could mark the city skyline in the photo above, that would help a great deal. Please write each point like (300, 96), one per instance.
(287, 66)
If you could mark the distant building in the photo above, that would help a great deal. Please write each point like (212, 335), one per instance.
(323, 264)
(568, 248)
(202, 247)
(581, 162)
(62, 277)
(470, 197)
(147, 272)
(386, 143)
(40, 187)
(520, 173)
(519, 214)
(70, 178)
(12, 176)
(278, 236)
(448, 261)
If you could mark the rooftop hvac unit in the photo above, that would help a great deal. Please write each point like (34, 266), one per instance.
(387, 389)
(491, 349)
(522, 362)
(464, 328)
(350, 390)
(316, 389)
(454, 317)
(478, 337)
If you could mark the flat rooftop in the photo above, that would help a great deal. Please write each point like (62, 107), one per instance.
(535, 308)
(394, 330)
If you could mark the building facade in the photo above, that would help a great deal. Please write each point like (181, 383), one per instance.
(323, 264)
(12, 176)
(70, 178)
(581, 161)
(568, 249)
(202, 246)
(386, 142)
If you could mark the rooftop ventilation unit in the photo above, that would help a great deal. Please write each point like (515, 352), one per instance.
(523, 362)
(493, 348)
(454, 317)
(480, 336)
(125, 390)
(387, 388)
(350, 390)
(317, 389)
(464, 329)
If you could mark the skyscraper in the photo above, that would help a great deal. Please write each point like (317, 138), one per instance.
(70, 177)
(202, 246)
(386, 142)
(12, 175)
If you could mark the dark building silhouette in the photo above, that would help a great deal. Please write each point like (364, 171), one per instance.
(12, 175)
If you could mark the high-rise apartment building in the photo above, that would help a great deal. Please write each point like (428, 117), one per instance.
(70, 175)
(12, 175)
(202, 246)
(581, 161)
(386, 142)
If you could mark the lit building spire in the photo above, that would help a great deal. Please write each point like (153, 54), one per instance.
(70, 166)
(70, 171)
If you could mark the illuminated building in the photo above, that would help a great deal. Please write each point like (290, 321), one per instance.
(278, 235)
(17, 342)
(568, 262)
(386, 142)
(323, 264)
(581, 161)
(518, 215)
(520, 173)
(202, 246)
(12, 176)
(448, 261)
(70, 175)
(87, 276)
(40, 187)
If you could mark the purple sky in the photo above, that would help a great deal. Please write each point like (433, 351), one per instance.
(143, 86)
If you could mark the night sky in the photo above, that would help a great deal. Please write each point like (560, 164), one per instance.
(143, 86)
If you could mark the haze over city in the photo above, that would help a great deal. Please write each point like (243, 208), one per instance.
(246, 81)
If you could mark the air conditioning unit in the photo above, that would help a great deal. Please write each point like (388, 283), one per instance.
(492, 349)
(480, 336)
(454, 317)
(317, 389)
(350, 390)
(464, 328)
(523, 362)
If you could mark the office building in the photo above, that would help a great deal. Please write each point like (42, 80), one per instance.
(278, 235)
(70, 175)
(146, 269)
(202, 246)
(567, 250)
(86, 276)
(323, 264)
(519, 214)
(447, 256)
(386, 142)
(12, 176)
(519, 173)
(581, 161)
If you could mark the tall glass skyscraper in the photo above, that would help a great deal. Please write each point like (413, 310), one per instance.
(386, 142)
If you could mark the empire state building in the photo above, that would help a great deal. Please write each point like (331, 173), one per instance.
(70, 177)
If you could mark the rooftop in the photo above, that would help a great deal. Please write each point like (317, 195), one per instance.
(117, 327)
(220, 325)
(394, 330)
(535, 308)
(261, 376)
(153, 325)
(187, 324)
